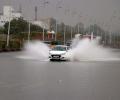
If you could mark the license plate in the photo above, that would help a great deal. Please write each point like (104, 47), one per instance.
(56, 56)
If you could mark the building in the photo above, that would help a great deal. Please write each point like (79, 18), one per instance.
(8, 15)
(47, 23)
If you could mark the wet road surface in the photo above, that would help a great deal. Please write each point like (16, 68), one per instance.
(23, 79)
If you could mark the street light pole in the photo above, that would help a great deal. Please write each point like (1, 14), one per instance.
(8, 35)
(78, 28)
(58, 6)
(56, 32)
(43, 33)
(71, 32)
(110, 37)
(64, 34)
(28, 31)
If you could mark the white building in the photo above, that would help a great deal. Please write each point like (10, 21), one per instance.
(8, 14)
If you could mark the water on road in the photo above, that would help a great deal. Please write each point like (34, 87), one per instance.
(33, 79)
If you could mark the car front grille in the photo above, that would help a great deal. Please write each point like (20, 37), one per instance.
(56, 56)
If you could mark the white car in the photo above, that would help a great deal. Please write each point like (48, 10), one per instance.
(58, 52)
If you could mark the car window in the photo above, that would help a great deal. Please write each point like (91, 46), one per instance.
(59, 48)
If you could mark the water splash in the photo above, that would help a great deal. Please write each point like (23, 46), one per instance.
(82, 50)
(89, 50)
(35, 50)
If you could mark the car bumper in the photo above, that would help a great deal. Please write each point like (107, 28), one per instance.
(57, 57)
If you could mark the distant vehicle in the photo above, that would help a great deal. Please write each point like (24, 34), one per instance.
(58, 52)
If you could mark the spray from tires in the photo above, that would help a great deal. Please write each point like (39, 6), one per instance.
(81, 50)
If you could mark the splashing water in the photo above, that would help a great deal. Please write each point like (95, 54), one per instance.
(82, 50)
(89, 50)
(36, 50)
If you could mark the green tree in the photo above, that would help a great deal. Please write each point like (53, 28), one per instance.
(1, 30)
(16, 26)
(20, 25)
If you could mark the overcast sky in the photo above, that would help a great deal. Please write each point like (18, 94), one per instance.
(103, 12)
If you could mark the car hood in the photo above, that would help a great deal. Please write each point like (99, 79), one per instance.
(57, 52)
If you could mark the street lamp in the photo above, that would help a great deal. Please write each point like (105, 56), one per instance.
(79, 16)
(78, 28)
(56, 31)
(43, 32)
(8, 35)
(29, 31)
(71, 32)
(58, 6)
(64, 34)
(44, 5)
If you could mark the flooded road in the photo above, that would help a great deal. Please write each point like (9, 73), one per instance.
(27, 79)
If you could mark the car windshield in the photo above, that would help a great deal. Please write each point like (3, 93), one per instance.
(59, 48)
